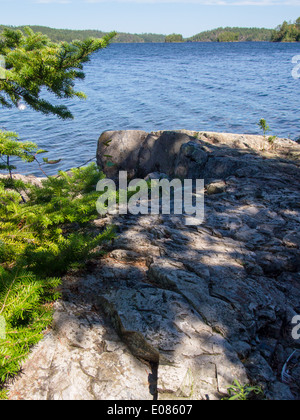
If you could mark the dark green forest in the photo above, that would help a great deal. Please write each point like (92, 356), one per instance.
(216, 35)
(287, 32)
(174, 38)
(233, 34)
(69, 35)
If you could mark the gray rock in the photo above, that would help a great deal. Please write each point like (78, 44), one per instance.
(156, 175)
(221, 167)
(81, 361)
(190, 161)
(259, 370)
(119, 150)
(159, 152)
(186, 154)
(292, 240)
(280, 392)
(179, 312)
(217, 187)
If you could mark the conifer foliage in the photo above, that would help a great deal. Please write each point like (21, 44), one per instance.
(39, 241)
(49, 232)
(34, 62)
(26, 307)
(11, 147)
(287, 32)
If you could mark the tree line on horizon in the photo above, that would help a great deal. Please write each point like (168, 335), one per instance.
(234, 35)
(69, 35)
(287, 32)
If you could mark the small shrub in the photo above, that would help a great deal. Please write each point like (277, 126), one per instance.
(25, 305)
(264, 126)
(238, 392)
(39, 241)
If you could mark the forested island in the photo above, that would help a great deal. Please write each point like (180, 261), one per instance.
(287, 32)
(234, 35)
(174, 38)
(69, 35)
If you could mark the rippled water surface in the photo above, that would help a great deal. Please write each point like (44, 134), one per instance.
(196, 86)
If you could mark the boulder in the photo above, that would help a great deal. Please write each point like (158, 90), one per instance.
(217, 187)
(119, 151)
(139, 153)
(190, 161)
(188, 154)
(160, 151)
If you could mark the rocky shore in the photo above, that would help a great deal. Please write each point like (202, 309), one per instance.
(179, 312)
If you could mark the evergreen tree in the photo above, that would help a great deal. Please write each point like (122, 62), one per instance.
(37, 242)
(41, 240)
(244, 34)
(174, 38)
(228, 37)
(24, 304)
(287, 32)
(10, 146)
(34, 62)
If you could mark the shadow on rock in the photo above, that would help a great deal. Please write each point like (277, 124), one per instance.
(178, 312)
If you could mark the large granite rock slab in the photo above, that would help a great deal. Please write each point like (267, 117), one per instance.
(179, 312)
(185, 153)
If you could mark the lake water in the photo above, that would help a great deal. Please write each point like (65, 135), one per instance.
(195, 86)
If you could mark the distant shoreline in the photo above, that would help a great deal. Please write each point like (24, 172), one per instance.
(285, 33)
(215, 35)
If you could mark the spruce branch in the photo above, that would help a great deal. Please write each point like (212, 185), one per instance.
(34, 62)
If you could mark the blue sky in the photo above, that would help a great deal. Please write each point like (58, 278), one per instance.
(187, 17)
